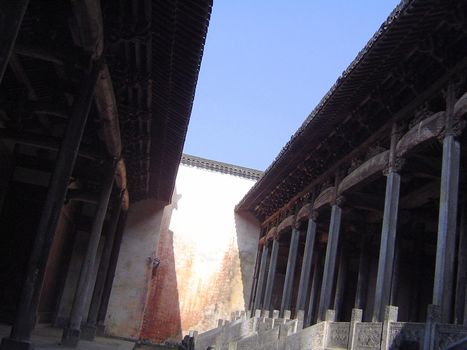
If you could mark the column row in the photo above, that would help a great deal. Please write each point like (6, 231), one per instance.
(324, 282)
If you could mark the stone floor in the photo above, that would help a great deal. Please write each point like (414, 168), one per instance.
(45, 337)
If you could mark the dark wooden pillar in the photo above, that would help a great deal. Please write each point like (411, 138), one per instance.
(446, 244)
(111, 273)
(271, 275)
(461, 285)
(395, 274)
(89, 329)
(29, 300)
(314, 292)
(11, 17)
(290, 272)
(330, 262)
(306, 264)
(363, 273)
(340, 284)
(71, 333)
(388, 235)
(260, 282)
(254, 283)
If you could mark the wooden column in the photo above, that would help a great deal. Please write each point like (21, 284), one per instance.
(340, 284)
(395, 274)
(260, 283)
(271, 275)
(290, 272)
(388, 235)
(89, 329)
(306, 264)
(71, 333)
(29, 300)
(111, 273)
(314, 292)
(330, 262)
(254, 283)
(363, 273)
(11, 17)
(446, 244)
(461, 285)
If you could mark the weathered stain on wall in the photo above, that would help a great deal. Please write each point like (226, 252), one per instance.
(207, 256)
(166, 322)
(130, 288)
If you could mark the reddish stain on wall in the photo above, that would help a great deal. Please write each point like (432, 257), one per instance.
(162, 315)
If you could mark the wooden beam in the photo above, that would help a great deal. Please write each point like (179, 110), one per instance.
(39, 53)
(11, 17)
(420, 196)
(45, 142)
(80, 196)
(22, 77)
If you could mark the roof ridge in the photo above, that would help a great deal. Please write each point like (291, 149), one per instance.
(221, 167)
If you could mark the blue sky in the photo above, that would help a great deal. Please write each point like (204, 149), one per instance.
(266, 65)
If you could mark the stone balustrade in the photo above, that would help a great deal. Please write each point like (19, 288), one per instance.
(260, 332)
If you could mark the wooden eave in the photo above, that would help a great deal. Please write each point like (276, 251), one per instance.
(405, 30)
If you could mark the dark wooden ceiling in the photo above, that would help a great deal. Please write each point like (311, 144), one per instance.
(153, 49)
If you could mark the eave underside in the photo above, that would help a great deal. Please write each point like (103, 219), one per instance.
(408, 60)
(153, 50)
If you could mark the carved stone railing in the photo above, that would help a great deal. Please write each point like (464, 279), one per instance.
(402, 333)
(448, 334)
(337, 335)
(368, 336)
(261, 332)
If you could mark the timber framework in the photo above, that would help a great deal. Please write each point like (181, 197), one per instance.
(95, 99)
(364, 212)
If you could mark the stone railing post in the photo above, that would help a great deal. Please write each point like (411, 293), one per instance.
(390, 315)
(192, 340)
(195, 339)
(300, 319)
(433, 316)
(357, 315)
(330, 316)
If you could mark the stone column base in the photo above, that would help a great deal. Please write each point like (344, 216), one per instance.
(100, 331)
(70, 337)
(13, 344)
(88, 332)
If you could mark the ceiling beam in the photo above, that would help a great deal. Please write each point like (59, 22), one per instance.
(45, 142)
